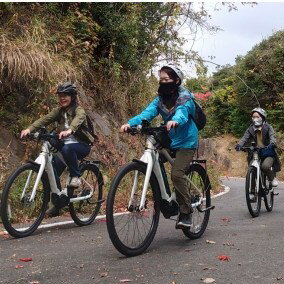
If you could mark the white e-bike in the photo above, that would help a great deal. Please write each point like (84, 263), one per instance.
(28, 189)
(140, 190)
(257, 184)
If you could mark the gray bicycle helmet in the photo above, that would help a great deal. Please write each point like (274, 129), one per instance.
(67, 88)
(260, 111)
(177, 71)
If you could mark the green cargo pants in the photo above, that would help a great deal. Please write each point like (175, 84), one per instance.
(181, 164)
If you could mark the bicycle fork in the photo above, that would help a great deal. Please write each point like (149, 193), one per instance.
(41, 161)
(146, 158)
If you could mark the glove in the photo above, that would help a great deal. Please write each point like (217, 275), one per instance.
(238, 147)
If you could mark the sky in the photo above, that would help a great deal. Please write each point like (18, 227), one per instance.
(241, 31)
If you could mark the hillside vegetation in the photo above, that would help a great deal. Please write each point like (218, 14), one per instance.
(255, 80)
(108, 49)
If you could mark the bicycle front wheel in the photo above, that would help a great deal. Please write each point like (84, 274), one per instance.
(199, 188)
(268, 195)
(20, 215)
(132, 230)
(253, 198)
(85, 211)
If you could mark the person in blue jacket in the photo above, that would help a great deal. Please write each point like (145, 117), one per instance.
(174, 103)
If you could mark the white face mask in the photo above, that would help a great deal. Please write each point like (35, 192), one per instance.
(257, 121)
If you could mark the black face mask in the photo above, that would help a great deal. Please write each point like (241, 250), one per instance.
(168, 93)
(166, 90)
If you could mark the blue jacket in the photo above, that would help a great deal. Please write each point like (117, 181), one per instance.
(185, 136)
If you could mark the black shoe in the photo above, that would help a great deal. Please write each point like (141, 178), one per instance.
(184, 221)
(52, 212)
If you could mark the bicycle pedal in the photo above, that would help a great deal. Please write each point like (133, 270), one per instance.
(208, 208)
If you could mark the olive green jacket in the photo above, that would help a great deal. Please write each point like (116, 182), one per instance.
(76, 119)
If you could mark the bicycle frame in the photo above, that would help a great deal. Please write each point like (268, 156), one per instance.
(151, 158)
(256, 164)
(44, 160)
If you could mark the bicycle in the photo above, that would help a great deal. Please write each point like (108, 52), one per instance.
(140, 190)
(26, 193)
(257, 184)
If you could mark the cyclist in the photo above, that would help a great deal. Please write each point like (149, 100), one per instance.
(72, 128)
(263, 134)
(174, 103)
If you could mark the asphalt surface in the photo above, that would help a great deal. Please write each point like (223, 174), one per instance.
(71, 254)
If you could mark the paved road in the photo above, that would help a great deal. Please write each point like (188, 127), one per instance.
(69, 254)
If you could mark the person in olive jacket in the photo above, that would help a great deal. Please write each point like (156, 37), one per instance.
(72, 128)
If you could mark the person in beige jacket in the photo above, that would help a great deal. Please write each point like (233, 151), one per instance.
(73, 131)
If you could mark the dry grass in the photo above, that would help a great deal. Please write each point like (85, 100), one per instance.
(24, 61)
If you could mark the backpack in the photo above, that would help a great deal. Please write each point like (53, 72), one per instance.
(90, 127)
(199, 117)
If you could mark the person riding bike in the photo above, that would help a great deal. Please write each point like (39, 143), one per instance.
(72, 127)
(174, 103)
(263, 134)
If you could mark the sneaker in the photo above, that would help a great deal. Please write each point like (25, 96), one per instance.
(75, 182)
(52, 212)
(274, 183)
(184, 221)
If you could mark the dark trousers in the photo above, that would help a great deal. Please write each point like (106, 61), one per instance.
(71, 154)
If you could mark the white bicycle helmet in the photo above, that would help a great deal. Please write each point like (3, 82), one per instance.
(177, 70)
(260, 111)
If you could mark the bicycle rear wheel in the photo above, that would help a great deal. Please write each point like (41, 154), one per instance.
(132, 230)
(85, 211)
(199, 178)
(20, 216)
(268, 195)
(253, 198)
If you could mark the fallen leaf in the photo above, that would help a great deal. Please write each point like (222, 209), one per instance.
(124, 280)
(187, 250)
(102, 220)
(34, 282)
(19, 266)
(4, 234)
(210, 242)
(26, 259)
(226, 219)
(223, 257)
(103, 274)
(209, 280)
(279, 278)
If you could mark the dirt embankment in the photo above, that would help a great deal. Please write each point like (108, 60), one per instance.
(220, 152)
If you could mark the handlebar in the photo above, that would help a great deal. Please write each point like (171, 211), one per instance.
(251, 148)
(43, 136)
(146, 130)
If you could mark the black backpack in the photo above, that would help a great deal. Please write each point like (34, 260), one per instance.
(199, 117)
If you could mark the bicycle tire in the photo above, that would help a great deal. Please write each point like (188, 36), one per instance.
(251, 182)
(9, 198)
(78, 210)
(201, 177)
(268, 196)
(114, 218)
